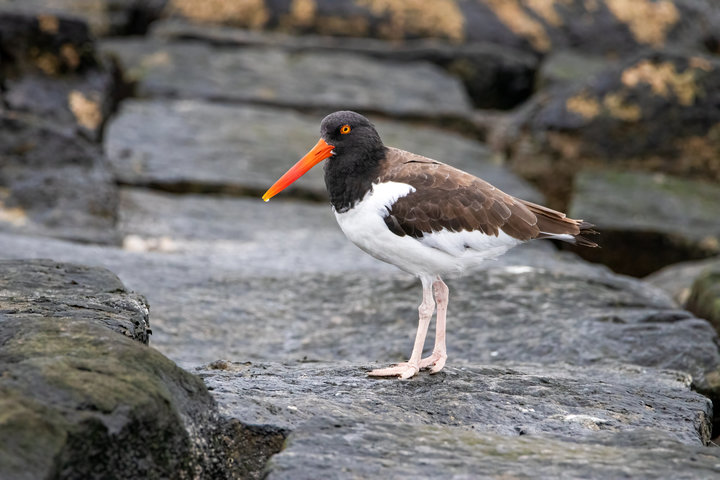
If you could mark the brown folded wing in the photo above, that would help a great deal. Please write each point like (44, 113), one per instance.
(448, 198)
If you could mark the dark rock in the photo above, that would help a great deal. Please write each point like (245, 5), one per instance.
(82, 401)
(704, 300)
(54, 183)
(607, 26)
(571, 66)
(648, 221)
(104, 17)
(659, 112)
(191, 146)
(467, 419)
(60, 291)
(323, 82)
(494, 76)
(50, 69)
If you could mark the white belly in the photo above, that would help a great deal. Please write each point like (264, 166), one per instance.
(433, 254)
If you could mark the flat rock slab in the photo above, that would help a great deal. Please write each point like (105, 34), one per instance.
(198, 146)
(345, 449)
(677, 279)
(328, 81)
(647, 220)
(54, 183)
(469, 419)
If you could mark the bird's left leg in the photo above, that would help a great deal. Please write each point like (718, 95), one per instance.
(437, 360)
(412, 366)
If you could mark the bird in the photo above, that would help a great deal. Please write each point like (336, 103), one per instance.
(425, 217)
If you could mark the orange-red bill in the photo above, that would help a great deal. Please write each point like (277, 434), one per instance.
(319, 152)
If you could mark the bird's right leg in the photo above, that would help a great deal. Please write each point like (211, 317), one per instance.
(436, 361)
(412, 366)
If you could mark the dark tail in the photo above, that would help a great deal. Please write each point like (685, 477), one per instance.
(554, 224)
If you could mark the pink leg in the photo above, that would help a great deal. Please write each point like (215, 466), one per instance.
(412, 366)
(439, 355)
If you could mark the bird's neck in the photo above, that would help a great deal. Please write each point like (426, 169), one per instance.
(349, 176)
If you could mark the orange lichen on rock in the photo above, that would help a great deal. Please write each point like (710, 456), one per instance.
(48, 24)
(87, 111)
(245, 13)
(616, 105)
(648, 21)
(512, 15)
(439, 18)
(584, 105)
(664, 79)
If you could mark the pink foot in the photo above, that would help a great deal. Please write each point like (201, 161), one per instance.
(403, 370)
(436, 361)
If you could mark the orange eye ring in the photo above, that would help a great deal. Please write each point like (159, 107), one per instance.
(345, 129)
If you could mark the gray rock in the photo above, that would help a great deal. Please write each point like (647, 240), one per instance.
(677, 279)
(54, 183)
(328, 81)
(704, 300)
(495, 76)
(104, 17)
(80, 400)
(598, 26)
(338, 448)
(197, 146)
(560, 420)
(570, 66)
(656, 112)
(647, 220)
(51, 69)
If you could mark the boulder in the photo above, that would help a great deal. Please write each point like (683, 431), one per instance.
(82, 396)
(54, 183)
(263, 75)
(677, 279)
(609, 26)
(656, 112)
(704, 300)
(51, 70)
(494, 76)
(195, 146)
(104, 17)
(534, 421)
(648, 221)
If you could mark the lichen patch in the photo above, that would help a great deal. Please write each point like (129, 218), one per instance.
(648, 21)
(584, 105)
(48, 24)
(86, 109)
(664, 80)
(514, 17)
(617, 106)
(244, 13)
(439, 18)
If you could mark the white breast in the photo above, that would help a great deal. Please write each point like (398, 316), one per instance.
(436, 253)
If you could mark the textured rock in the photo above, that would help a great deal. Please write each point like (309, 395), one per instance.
(104, 17)
(327, 81)
(468, 419)
(570, 66)
(54, 183)
(704, 300)
(598, 26)
(201, 147)
(647, 220)
(657, 112)
(370, 448)
(676, 280)
(50, 69)
(494, 76)
(79, 400)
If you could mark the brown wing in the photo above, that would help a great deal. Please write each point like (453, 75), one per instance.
(446, 197)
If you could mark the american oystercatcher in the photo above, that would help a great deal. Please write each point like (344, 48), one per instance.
(423, 216)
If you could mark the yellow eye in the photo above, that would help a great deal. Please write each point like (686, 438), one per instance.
(345, 129)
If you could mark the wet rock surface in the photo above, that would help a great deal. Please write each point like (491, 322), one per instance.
(654, 219)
